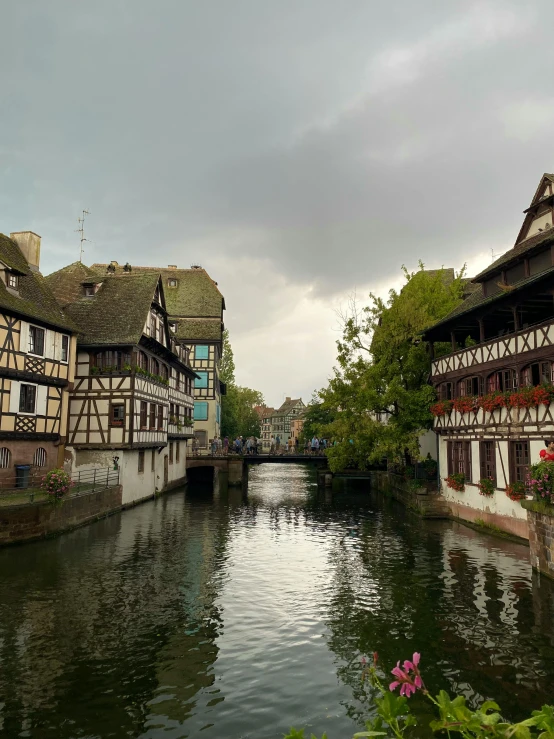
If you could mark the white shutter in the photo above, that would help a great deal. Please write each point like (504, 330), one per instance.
(49, 350)
(24, 337)
(14, 396)
(42, 391)
(57, 355)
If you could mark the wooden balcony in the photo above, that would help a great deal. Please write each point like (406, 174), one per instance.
(502, 420)
(523, 344)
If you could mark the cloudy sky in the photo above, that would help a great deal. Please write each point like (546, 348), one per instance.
(297, 149)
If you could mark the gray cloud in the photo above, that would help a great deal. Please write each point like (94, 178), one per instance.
(325, 142)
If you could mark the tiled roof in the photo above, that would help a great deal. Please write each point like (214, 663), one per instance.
(524, 247)
(198, 329)
(287, 406)
(116, 314)
(196, 294)
(66, 283)
(35, 300)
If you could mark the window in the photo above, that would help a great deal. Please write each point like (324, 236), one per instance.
(5, 456)
(172, 326)
(36, 341)
(39, 459)
(177, 451)
(143, 361)
(112, 360)
(487, 459)
(143, 414)
(117, 414)
(218, 413)
(154, 367)
(27, 398)
(141, 462)
(160, 417)
(519, 457)
(163, 371)
(471, 386)
(445, 391)
(177, 413)
(172, 282)
(12, 280)
(152, 415)
(90, 290)
(65, 348)
(539, 373)
(459, 458)
(171, 413)
(170, 452)
(153, 462)
(201, 352)
(177, 380)
(502, 380)
(153, 326)
(202, 380)
(201, 411)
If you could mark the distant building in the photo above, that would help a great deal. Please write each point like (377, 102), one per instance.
(195, 308)
(37, 362)
(296, 426)
(279, 422)
(265, 425)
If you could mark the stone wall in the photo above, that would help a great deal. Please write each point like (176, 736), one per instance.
(541, 535)
(426, 503)
(20, 523)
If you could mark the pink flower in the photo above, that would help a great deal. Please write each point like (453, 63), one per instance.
(408, 683)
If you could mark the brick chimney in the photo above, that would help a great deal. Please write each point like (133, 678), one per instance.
(29, 243)
(287, 399)
(172, 266)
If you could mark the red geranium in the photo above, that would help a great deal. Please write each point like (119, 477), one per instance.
(466, 404)
(441, 408)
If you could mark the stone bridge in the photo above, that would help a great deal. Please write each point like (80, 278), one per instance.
(235, 466)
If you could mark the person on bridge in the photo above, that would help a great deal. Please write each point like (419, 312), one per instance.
(290, 444)
(296, 442)
(272, 445)
(315, 445)
(226, 445)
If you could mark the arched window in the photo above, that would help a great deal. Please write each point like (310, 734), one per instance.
(154, 367)
(164, 371)
(39, 460)
(143, 361)
(502, 380)
(470, 386)
(5, 456)
(538, 373)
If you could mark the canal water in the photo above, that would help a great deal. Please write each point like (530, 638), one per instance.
(229, 614)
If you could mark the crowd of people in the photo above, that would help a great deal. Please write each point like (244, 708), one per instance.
(252, 445)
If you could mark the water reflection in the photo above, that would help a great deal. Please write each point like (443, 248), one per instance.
(236, 615)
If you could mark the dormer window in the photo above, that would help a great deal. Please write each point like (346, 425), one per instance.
(89, 291)
(172, 282)
(172, 326)
(13, 281)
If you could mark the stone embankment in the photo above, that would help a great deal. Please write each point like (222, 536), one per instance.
(420, 497)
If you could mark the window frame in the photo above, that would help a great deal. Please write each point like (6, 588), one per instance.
(143, 422)
(205, 347)
(515, 467)
(22, 411)
(203, 377)
(488, 467)
(459, 458)
(141, 462)
(32, 338)
(160, 418)
(115, 422)
(152, 415)
(64, 347)
(201, 403)
(12, 281)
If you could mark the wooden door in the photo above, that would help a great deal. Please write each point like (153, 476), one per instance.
(166, 470)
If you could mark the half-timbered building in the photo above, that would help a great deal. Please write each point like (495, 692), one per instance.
(195, 308)
(490, 421)
(37, 351)
(132, 400)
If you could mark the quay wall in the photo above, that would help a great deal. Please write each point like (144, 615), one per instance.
(29, 521)
(541, 536)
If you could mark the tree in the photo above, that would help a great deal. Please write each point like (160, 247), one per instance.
(379, 391)
(238, 417)
(316, 417)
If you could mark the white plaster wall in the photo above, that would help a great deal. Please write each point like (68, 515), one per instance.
(498, 503)
(428, 444)
(535, 448)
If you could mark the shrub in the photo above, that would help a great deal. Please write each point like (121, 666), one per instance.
(540, 481)
(56, 484)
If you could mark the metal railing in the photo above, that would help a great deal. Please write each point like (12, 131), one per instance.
(89, 481)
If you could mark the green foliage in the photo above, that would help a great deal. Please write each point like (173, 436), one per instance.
(238, 417)
(316, 418)
(379, 396)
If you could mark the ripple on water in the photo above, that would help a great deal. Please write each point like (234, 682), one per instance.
(237, 617)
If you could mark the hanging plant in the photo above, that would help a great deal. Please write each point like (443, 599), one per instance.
(456, 481)
(516, 490)
(486, 486)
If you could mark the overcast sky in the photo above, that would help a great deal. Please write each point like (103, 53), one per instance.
(298, 150)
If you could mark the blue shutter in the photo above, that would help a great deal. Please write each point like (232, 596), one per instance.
(201, 352)
(202, 380)
(200, 411)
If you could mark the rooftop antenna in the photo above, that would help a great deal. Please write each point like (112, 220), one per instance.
(493, 255)
(81, 230)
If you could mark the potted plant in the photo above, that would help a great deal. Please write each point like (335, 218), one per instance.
(516, 490)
